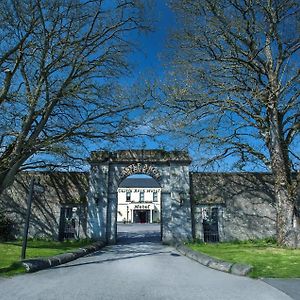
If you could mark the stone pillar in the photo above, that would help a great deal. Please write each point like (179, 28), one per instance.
(222, 236)
(165, 205)
(112, 209)
(181, 221)
(97, 202)
(111, 230)
(166, 217)
(198, 223)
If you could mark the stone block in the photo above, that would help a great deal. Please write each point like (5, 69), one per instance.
(192, 254)
(54, 261)
(220, 265)
(33, 265)
(80, 252)
(182, 249)
(90, 249)
(241, 269)
(63, 258)
(195, 255)
(203, 258)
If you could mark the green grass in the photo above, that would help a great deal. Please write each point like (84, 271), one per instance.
(267, 259)
(10, 253)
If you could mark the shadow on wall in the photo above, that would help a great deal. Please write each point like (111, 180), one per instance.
(245, 202)
(60, 190)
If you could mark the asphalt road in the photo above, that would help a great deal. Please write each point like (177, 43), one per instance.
(139, 267)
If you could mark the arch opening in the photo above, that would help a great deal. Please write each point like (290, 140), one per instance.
(139, 208)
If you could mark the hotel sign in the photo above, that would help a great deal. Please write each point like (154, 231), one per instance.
(140, 168)
(143, 206)
(138, 190)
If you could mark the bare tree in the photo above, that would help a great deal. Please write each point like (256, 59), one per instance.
(60, 61)
(235, 86)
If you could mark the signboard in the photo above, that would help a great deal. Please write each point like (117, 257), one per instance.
(138, 190)
(140, 168)
(143, 206)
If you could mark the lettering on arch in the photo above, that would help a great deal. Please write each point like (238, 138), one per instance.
(139, 168)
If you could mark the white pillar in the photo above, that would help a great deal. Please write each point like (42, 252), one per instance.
(151, 212)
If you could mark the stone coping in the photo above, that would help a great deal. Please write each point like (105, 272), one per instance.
(214, 263)
(37, 264)
(146, 156)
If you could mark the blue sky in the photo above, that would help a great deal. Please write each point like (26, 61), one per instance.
(146, 59)
(147, 62)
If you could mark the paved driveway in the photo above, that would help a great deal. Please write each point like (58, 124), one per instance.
(135, 269)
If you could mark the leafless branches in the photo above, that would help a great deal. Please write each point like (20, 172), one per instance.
(238, 85)
(59, 61)
(238, 60)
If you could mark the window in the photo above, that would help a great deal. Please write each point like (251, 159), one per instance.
(210, 225)
(155, 199)
(214, 214)
(142, 196)
(67, 223)
(128, 196)
(68, 212)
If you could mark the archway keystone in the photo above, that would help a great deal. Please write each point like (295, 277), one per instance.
(170, 169)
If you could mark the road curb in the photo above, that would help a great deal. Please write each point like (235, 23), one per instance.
(214, 263)
(37, 264)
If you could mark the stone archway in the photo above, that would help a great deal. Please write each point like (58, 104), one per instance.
(170, 169)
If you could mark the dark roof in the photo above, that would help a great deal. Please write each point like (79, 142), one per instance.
(139, 183)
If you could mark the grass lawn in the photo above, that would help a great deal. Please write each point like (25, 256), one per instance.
(10, 252)
(267, 259)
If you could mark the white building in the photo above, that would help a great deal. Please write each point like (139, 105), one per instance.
(139, 201)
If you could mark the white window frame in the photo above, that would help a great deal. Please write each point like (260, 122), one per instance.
(142, 196)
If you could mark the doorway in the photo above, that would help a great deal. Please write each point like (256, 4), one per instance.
(141, 216)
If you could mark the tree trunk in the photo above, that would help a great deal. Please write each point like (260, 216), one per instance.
(7, 175)
(7, 178)
(280, 165)
(285, 210)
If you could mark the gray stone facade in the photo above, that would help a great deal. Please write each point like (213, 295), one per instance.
(204, 206)
(171, 170)
(245, 204)
(62, 192)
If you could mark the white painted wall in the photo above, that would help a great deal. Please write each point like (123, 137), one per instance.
(127, 208)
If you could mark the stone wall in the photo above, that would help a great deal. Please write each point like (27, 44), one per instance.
(245, 202)
(60, 190)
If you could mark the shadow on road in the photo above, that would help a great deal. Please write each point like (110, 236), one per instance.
(138, 237)
(134, 240)
(138, 233)
(130, 255)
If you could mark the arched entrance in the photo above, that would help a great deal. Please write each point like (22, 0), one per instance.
(139, 198)
(170, 169)
(139, 210)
